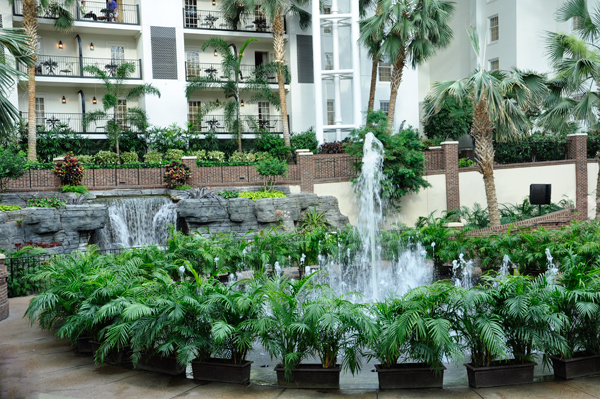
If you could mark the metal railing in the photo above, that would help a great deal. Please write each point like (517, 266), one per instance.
(94, 11)
(68, 66)
(217, 20)
(215, 71)
(74, 121)
(251, 124)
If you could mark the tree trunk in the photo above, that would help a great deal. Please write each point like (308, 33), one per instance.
(30, 25)
(278, 46)
(598, 190)
(482, 131)
(373, 84)
(396, 80)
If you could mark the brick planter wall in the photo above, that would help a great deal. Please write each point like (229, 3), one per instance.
(3, 289)
(551, 221)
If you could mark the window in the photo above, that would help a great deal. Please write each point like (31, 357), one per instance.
(40, 111)
(385, 71)
(191, 14)
(330, 112)
(384, 106)
(327, 10)
(193, 110)
(578, 22)
(264, 110)
(328, 61)
(193, 64)
(494, 65)
(117, 54)
(121, 113)
(494, 29)
(259, 15)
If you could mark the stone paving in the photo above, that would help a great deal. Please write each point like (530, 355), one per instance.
(33, 364)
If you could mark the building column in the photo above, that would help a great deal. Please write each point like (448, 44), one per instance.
(577, 150)
(450, 150)
(306, 166)
(3, 288)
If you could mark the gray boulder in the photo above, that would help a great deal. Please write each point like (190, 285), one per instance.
(271, 210)
(41, 220)
(203, 211)
(84, 217)
(241, 210)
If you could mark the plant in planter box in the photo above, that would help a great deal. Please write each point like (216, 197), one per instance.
(69, 171)
(271, 169)
(176, 174)
(414, 330)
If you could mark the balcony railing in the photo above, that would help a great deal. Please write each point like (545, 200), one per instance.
(217, 20)
(71, 67)
(215, 71)
(74, 121)
(251, 124)
(94, 11)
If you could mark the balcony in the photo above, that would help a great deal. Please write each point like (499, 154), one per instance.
(215, 71)
(216, 20)
(72, 67)
(74, 121)
(128, 14)
(251, 124)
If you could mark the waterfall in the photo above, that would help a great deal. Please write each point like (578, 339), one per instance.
(135, 222)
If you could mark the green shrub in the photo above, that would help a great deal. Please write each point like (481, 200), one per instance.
(262, 156)
(183, 187)
(106, 158)
(242, 157)
(451, 123)
(217, 156)
(173, 155)
(45, 203)
(304, 141)
(12, 166)
(85, 159)
(129, 157)
(229, 194)
(69, 171)
(262, 194)
(465, 163)
(75, 189)
(270, 169)
(200, 154)
(7, 208)
(153, 156)
(273, 144)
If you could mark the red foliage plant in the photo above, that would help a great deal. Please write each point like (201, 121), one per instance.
(69, 171)
(176, 174)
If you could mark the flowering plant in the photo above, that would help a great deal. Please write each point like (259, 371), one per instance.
(45, 203)
(177, 174)
(69, 171)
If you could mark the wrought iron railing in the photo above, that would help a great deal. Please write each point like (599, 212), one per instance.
(251, 124)
(217, 20)
(93, 11)
(68, 66)
(74, 121)
(215, 71)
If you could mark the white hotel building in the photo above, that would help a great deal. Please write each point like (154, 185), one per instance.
(165, 44)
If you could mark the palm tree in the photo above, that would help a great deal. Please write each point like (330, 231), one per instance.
(16, 41)
(276, 11)
(231, 63)
(413, 30)
(116, 91)
(576, 62)
(372, 44)
(500, 100)
(64, 22)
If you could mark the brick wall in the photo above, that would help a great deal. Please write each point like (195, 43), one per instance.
(551, 221)
(450, 151)
(434, 159)
(577, 150)
(3, 289)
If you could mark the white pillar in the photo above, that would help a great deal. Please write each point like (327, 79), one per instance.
(356, 91)
(318, 79)
(337, 94)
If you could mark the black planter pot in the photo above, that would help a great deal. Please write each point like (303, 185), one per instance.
(83, 345)
(219, 370)
(579, 366)
(164, 365)
(310, 376)
(501, 374)
(115, 357)
(409, 375)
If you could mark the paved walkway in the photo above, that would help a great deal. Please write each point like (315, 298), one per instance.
(33, 364)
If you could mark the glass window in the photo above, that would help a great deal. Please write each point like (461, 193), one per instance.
(264, 110)
(328, 61)
(191, 14)
(117, 54)
(331, 112)
(495, 65)
(494, 29)
(193, 110)
(193, 64)
(122, 112)
(385, 71)
(40, 111)
(384, 106)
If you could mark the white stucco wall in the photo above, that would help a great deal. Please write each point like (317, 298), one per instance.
(592, 181)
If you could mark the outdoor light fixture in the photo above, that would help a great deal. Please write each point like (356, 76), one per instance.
(218, 103)
(216, 53)
(64, 100)
(92, 46)
(214, 2)
(60, 45)
(94, 101)
(242, 103)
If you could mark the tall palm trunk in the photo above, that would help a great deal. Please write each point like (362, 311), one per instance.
(598, 190)
(30, 25)
(396, 80)
(482, 131)
(278, 46)
(373, 84)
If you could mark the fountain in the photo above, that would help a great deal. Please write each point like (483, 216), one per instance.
(138, 221)
(365, 272)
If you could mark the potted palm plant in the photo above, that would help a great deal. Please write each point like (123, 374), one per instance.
(232, 309)
(416, 330)
(578, 299)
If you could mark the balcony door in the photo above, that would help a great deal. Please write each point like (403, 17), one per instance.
(193, 64)
(193, 114)
(191, 14)
(40, 112)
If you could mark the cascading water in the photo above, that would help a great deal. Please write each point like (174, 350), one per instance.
(134, 222)
(364, 272)
(552, 270)
(462, 272)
